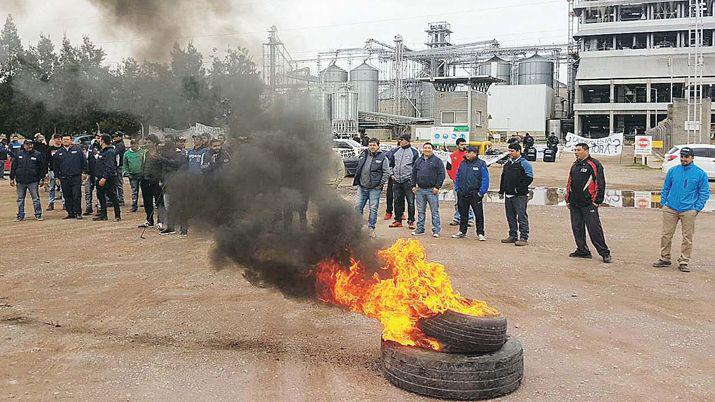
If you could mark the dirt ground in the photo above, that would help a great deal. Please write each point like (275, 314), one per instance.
(91, 311)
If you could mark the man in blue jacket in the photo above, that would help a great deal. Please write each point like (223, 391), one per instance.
(370, 177)
(428, 176)
(28, 170)
(684, 194)
(106, 171)
(69, 164)
(471, 184)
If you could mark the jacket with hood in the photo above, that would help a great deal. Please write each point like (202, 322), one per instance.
(516, 177)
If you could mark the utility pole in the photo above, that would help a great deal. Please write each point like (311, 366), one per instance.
(572, 55)
(694, 85)
(399, 61)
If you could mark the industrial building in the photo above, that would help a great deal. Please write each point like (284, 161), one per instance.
(390, 89)
(636, 57)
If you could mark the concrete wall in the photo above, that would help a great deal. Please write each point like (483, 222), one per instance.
(459, 101)
(678, 114)
(520, 108)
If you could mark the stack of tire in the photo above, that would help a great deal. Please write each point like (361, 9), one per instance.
(477, 361)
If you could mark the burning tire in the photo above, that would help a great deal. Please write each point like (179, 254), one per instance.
(465, 334)
(452, 376)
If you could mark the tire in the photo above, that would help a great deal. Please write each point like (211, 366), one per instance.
(451, 376)
(465, 334)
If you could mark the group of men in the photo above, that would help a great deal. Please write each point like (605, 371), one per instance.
(100, 168)
(417, 178)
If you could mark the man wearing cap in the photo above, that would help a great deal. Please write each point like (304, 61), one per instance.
(684, 194)
(119, 148)
(69, 165)
(455, 159)
(584, 195)
(28, 169)
(402, 160)
(471, 184)
(516, 177)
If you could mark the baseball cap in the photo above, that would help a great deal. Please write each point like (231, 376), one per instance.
(28, 141)
(686, 151)
(472, 149)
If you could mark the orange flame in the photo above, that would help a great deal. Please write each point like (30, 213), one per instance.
(414, 289)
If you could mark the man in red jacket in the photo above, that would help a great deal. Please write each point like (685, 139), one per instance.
(455, 159)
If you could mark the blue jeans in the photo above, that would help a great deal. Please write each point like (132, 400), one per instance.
(456, 209)
(22, 190)
(517, 217)
(54, 188)
(372, 195)
(424, 197)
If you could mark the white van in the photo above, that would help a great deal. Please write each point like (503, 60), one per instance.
(704, 158)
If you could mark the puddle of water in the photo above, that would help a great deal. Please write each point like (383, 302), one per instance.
(557, 197)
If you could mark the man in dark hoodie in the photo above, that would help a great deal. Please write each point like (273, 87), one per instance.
(152, 171)
(28, 170)
(471, 184)
(428, 176)
(119, 148)
(107, 180)
(584, 194)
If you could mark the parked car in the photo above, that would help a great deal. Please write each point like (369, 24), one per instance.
(350, 152)
(704, 158)
(83, 140)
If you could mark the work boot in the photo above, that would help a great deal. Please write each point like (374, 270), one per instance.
(51, 206)
(684, 268)
(459, 235)
(509, 240)
(396, 224)
(521, 243)
(662, 264)
(388, 216)
(578, 254)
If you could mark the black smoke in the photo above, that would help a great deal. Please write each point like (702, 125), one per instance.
(252, 209)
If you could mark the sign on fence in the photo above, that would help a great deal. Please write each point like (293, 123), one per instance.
(608, 146)
(643, 145)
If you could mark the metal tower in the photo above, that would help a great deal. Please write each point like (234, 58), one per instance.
(694, 86)
(572, 57)
(398, 65)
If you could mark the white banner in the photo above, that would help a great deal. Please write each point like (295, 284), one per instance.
(213, 131)
(608, 146)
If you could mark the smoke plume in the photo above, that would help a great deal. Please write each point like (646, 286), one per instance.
(253, 208)
(158, 24)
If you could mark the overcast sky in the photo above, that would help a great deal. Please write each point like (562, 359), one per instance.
(310, 26)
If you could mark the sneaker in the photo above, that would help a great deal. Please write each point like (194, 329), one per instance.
(117, 219)
(388, 216)
(39, 218)
(396, 224)
(372, 234)
(18, 219)
(459, 235)
(146, 225)
(521, 243)
(411, 225)
(435, 235)
(470, 224)
(51, 206)
(454, 223)
(509, 240)
(100, 218)
(578, 254)
(607, 259)
(160, 227)
(167, 231)
(78, 217)
(482, 238)
(88, 212)
(684, 268)
(416, 233)
(662, 264)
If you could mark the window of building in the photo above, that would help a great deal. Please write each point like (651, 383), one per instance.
(665, 39)
(604, 42)
(707, 37)
(632, 13)
(631, 41)
(478, 119)
(600, 14)
(595, 125)
(454, 118)
(665, 10)
(596, 93)
(631, 93)
(630, 124)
